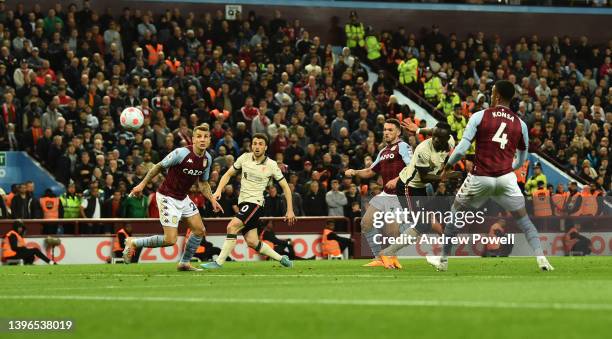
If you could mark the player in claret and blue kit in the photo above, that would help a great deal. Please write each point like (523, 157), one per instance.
(186, 166)
(500, 135)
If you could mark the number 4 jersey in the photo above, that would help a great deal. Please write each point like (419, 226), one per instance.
(499, 132)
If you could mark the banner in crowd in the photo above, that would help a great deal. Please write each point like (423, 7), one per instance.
(97, 250)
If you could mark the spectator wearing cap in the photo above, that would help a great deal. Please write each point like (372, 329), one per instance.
(35, 60)
(538, 175)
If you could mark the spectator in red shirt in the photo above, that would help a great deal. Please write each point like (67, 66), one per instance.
(249, 112)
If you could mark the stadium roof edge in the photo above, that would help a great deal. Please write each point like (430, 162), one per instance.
(407, 6)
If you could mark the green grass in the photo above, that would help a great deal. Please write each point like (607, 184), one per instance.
(477, 298)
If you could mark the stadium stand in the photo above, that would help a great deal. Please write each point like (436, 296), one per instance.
(67, 73)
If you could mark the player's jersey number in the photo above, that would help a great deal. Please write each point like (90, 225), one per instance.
(500, 136)
(244, 208)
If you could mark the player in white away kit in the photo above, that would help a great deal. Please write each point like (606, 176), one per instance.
(425, 167)
(257, 170)
(500, 134)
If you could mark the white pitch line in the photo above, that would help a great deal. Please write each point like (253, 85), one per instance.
(341, 302)
(418, 276)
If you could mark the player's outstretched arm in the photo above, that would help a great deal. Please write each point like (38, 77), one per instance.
(224, 180)
(155, 170)
(290, 216)
(365, 173)
(414, 128)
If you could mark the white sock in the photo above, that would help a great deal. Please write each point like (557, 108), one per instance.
(228, 247)
(269, 252)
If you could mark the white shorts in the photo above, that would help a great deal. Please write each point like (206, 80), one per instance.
(171, 210)
(504, 190)
(385, 202)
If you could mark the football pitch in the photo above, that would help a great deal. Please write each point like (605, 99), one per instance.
(476, 298)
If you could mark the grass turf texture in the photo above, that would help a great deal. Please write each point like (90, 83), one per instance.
(477, 298)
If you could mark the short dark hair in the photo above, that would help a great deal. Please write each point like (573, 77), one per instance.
(394, 122)
(443, 125)
(262, 137)
(505, 89)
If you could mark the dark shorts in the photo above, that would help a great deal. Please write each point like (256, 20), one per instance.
(411, 198)
(249, 213)
(414, 199)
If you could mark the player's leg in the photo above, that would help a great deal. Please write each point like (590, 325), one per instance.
(509, 196)
(196, 225)
(193, 220)
(233, 227)
(170, 212)
(369, 232)
(252, 240)
(474, 192)
(410, 199)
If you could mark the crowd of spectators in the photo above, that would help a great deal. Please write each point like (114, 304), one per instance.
(562, 85)
(67, 73)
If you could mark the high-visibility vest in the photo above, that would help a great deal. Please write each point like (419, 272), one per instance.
(117, 244)
(200, 249)
(448, 106)
(50, 207)
(572, 200)
(373, 47)
(329, 247)
(153, 57)
(589, 204)
(7, 251)
(541, 203)
(354, 35)
(212, 94)
(558, 201)
(9, 199)
(492, 229)
(216, 113)
(173, 65)
(71, 206)
(467, 108)
(521, 173)
(433, 88)
(408, 71)
(568, 242)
